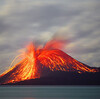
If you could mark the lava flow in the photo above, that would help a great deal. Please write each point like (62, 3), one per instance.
(37, 60)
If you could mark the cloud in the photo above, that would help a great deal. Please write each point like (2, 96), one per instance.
(77, 21)
(84, 36)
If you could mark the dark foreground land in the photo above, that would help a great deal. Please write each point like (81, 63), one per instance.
(64, 78)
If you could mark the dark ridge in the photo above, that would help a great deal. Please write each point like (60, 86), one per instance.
(63, 78)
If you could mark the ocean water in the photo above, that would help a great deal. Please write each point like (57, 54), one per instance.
(49, 92)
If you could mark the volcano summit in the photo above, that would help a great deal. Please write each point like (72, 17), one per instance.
(37, 63)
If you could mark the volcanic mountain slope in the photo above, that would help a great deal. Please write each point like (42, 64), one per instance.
(38, 62)
(63, 78)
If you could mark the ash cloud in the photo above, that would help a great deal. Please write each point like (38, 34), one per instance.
(76, 21)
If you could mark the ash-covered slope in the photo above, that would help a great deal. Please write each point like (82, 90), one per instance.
(63, 78)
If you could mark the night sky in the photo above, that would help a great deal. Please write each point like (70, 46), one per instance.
(77, 21)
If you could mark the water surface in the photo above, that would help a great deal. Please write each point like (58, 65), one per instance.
(49, 92)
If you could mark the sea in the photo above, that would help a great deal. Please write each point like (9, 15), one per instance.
(49, 92)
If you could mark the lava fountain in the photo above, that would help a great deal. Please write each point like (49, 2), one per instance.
(35, 60)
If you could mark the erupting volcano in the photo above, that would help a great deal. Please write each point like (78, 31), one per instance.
(38, 60)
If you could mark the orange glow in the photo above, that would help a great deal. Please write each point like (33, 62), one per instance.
(35, 60)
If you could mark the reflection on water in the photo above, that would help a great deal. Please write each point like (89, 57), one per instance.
(49, 92)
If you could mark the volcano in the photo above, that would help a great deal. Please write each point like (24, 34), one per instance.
(39, 62)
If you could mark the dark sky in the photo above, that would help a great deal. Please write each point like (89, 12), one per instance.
(77, 21)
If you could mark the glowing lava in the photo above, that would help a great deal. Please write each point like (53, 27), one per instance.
(36, 60)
